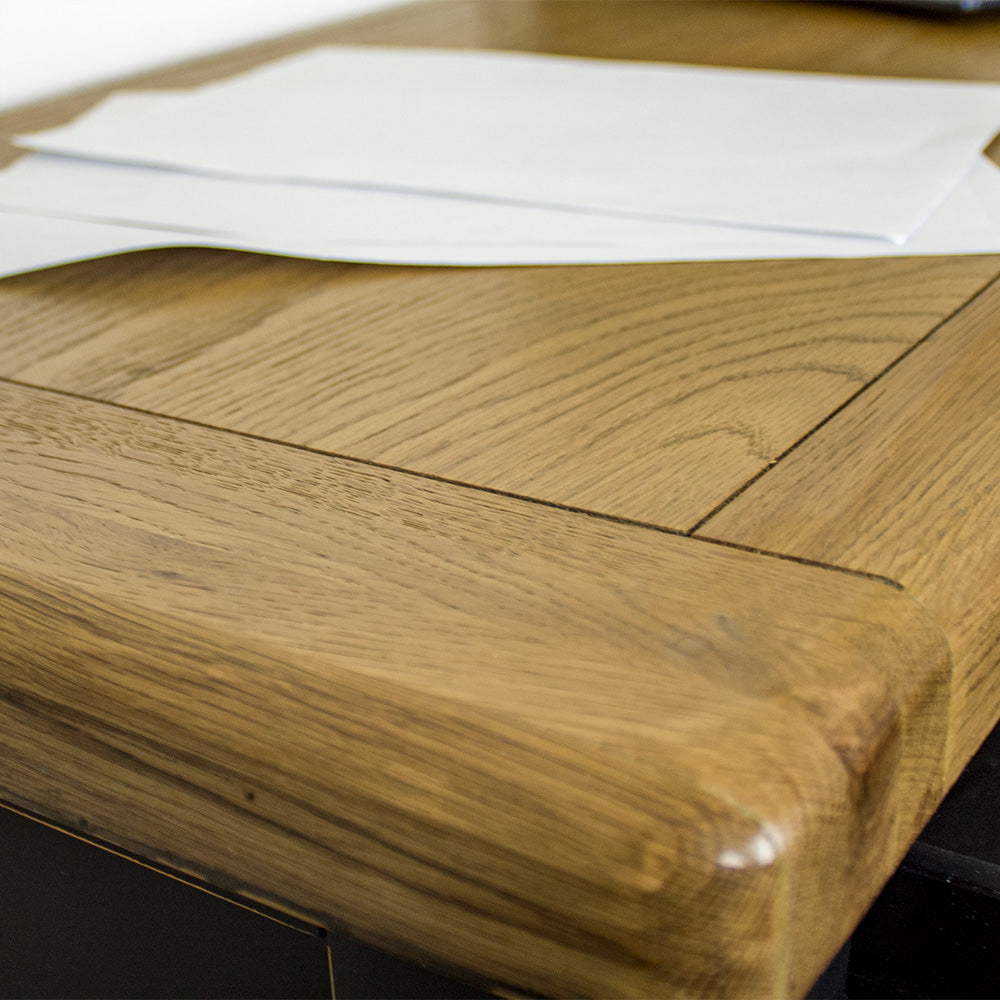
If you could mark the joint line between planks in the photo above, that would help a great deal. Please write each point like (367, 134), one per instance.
(693, 531)
(801, 560)
(476, 488)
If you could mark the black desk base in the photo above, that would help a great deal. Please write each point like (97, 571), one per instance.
(78, 920)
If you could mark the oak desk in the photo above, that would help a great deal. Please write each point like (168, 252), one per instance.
(593, 630)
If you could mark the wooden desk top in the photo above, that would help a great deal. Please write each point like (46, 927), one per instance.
(588, 630)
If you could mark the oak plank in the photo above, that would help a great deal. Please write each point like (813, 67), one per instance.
(545, 748)
(903, 483)
(647, 392)
(585, 757)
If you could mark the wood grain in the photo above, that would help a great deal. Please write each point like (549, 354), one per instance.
(578, 756)
(537, 745)
(647, 392)
(904, 483)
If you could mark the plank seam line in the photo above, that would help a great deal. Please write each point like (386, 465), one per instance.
(458, 483)
(833, 414)
(801, 560)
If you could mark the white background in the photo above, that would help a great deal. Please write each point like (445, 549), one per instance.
(52, 46)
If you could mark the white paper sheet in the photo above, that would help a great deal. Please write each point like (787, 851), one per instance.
(90, 209)
(33, 242)
(807, 152)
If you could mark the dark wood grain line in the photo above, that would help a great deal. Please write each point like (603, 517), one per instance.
(431, 477)
(539, 709)
(902, 482)
(833, 415)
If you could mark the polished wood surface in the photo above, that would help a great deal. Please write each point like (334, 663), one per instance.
(370, 591)
(546, 744)
(648, 392)
(904, 484)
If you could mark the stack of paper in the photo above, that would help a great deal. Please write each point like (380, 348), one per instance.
(454, 157)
